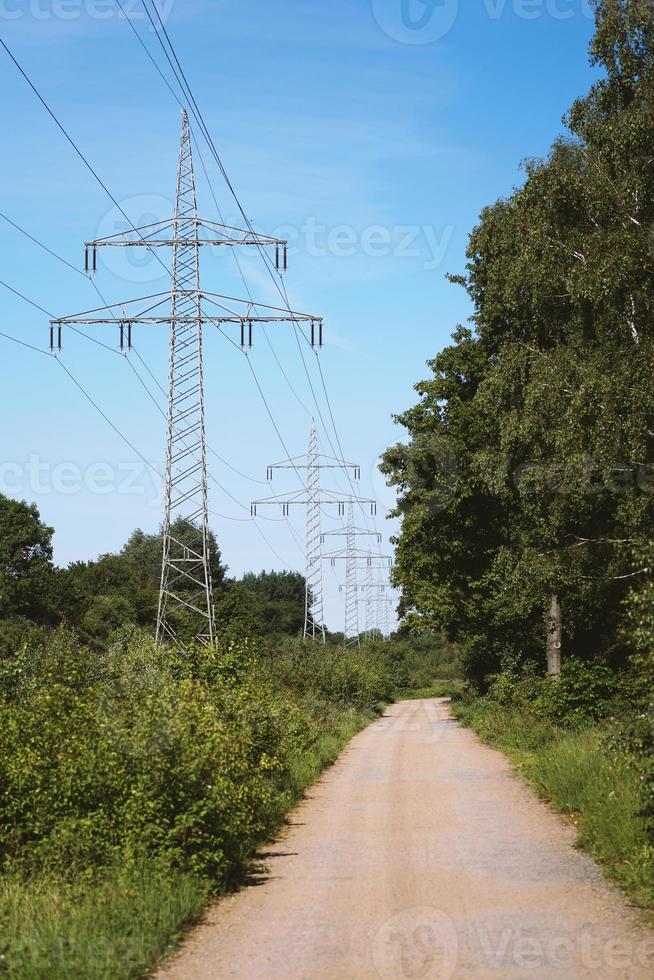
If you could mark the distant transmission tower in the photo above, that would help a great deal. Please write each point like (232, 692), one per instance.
(382, 606)
(373, 591)
(352, 556)
(314, 499)
(186, 588)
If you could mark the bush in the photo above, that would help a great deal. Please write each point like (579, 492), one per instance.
(104, 768)
(137, 779)
(190, 758)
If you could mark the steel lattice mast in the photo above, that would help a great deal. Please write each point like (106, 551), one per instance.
(382, 603)
(351, 604)
(313, 497)
(314, 609)
(186, 599)
(352, 556)
(185, 490)
(369, 597)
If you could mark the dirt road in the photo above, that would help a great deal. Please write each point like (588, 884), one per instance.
(419, 855)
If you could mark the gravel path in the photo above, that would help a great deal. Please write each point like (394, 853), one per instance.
(419, 855)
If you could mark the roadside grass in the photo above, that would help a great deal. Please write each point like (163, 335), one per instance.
(114, 927)
(582, 775)
(305, 768)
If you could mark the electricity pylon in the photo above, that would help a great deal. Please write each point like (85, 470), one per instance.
(186, 585)
(380, 603)
(372, 590)
(352, 555)
(374, 598)
(315, 497)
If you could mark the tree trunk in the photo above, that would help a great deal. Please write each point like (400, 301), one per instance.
(554, 638)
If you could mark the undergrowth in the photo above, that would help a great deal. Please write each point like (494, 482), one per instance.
(138, 782)
(569, 741)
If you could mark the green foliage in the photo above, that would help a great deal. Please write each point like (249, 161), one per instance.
(25, 562)
(637, 731)
(188, 758)
(99, 596)
(111, 929)
(580, 771)
(527, 469)
(136, 779)
(279, 601)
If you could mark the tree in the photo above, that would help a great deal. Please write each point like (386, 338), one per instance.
(280, 600)
(25, 562)
(527, 475)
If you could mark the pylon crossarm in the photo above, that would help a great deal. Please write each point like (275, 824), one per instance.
(358, 554)
(356, 531)
(292, 501)
(178, 320)
(146, 236)
(305, 463)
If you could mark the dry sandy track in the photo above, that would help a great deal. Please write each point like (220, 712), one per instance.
(419, 855)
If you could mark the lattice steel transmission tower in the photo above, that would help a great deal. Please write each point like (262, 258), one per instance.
(376, 600)
(186, 596)
(185, 488)
(352, 556)
(381, 604)
(314, 499)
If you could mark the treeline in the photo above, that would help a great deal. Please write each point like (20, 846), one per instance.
(526, 485)
(95, 598)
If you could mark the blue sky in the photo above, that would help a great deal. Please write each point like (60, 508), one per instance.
(368, 140)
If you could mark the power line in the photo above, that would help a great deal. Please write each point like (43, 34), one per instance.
(15, 340)
(76, 148)
(184, 85)
(182, 81)
(97, 408)
(211, 189)
(186, 89)
(99, 343)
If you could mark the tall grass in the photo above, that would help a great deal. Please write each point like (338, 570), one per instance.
(580, 773)
(113, 928)
(582, 776)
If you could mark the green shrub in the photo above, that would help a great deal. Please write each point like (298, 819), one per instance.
(171, 767)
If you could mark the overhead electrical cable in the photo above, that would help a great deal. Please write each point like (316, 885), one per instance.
(182, 80)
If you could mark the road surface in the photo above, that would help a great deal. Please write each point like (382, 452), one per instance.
(420, 855)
